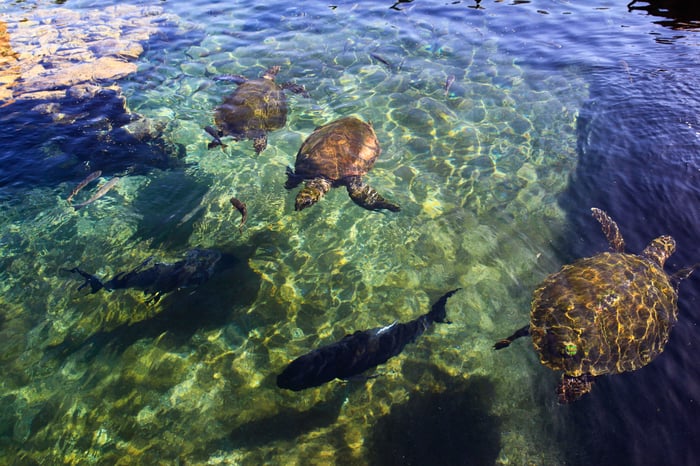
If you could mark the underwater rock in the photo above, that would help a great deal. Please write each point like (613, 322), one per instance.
(61, 67)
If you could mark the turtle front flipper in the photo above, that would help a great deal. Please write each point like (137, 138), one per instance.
(660, 249)
(365, 196)
(572, 388)
(295, 88)
(312, 191)
(610, 229)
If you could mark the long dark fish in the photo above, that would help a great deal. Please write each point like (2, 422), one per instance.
(358, 352)
(161, 278)
(241, 207)
(84, 183)
(100, 192)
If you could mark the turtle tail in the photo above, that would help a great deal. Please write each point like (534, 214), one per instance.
(365, 196)
(94, 282)
(438, 312)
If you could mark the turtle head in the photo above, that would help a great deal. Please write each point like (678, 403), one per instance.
(571, 388)
(312, 191)
(306, 198)
(660, 249)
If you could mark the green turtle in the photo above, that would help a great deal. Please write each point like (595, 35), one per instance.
(254, 108)
(339, 153)
(605, 314)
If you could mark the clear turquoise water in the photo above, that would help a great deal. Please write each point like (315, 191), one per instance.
(494, 177)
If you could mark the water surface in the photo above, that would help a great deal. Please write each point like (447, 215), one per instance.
(554, 107)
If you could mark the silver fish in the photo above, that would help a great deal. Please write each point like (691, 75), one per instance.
(84, 183)
(448, 83)
(100, 192)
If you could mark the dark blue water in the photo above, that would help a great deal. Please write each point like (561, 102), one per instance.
(555, 107)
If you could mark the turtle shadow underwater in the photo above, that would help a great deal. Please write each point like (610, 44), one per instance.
(180, 313)
(452, 425)
(449, 425)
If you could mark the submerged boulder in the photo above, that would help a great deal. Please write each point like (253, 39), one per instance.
(60, 99)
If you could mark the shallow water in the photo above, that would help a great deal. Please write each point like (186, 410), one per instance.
(554, 108)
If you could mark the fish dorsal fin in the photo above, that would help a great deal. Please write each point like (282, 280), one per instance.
(610, 230)
(387, 328)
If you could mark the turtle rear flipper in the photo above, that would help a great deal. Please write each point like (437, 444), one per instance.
(365, 196)
(571, 388)
(295, 88)
(521, 332)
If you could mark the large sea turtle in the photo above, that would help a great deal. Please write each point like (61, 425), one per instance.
(338, 154)
(254, 108)
(604, 314)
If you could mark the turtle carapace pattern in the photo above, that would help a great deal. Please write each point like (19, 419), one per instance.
(605, 314)
(339, 153)
(256, 107)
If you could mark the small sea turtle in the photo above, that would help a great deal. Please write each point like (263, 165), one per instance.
(338, 154)
(605, 314)
(255, 107)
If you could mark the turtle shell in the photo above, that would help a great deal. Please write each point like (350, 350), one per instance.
(256, 106)
(342, 148)
(605, 314)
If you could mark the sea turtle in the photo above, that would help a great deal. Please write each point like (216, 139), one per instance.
(255, 107)
(604, 314)
(338, 154)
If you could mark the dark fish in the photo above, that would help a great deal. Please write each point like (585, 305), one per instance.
(381, 59)
(161, 278)
(100, 192)
(240, 206)
(448, 83)
(84, 183)
(358, 352)
(211, 131)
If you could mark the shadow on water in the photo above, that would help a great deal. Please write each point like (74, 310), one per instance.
(638, 159)
(450, 426)
(74, 136)
(169, 206)
(678, 14)
(285, 425)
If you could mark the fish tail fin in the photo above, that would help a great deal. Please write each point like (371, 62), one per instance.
(438, 312)
(94, 282)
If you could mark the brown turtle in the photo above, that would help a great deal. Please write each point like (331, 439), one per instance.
(254, 108)
(338, 154)
(605, 314)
